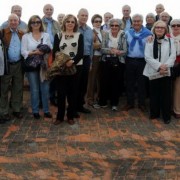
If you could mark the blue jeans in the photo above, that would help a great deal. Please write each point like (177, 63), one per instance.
(36, 85)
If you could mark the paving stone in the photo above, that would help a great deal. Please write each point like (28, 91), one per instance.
(102, 145)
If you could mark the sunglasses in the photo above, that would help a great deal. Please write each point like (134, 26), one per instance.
(72, 22)
(159, 27)
(36, 22)
(114, 25)
(175, 25)
(97, 21)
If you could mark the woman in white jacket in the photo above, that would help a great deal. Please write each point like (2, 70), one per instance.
(160, 54)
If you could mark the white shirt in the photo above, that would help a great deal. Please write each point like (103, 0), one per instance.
(168, 56)
(29, 44)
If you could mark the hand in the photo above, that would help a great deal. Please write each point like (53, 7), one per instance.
(69, 63)
(163, 67)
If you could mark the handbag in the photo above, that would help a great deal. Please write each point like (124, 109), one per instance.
(59, 68)
(30, 64)
(33, 62)
(175, 70)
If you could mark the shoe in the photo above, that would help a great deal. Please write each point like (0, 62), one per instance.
(127, 107)
(6, 117)
(57, 122)
(53, 102)
(114, 108)
(177, 116)
(76, 115)
(84, 110)
(142, 108)
(18, 115)
(2, 121)
(36, 116)
(48, 115)
(167, 121)
(104, 106)
(96, 106)
(71, 121)
(153, 117)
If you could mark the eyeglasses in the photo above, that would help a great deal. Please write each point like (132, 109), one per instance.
(175, 25)
(114, 25)
(159, 27)
(72, 22)
(97, 21)
(35, 22)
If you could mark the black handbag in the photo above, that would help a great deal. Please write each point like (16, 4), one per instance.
(29, 64)
(175, 70)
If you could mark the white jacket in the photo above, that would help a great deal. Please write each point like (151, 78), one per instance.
(168, 56)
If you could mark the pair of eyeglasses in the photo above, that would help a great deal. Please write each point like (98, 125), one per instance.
(159, 27)
(114, 25)
(175, 25)
(35, 22)
(72, 22)
(97, 21)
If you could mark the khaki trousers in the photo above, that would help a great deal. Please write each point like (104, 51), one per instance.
(176, 98)
(14, 80)
(93, 81)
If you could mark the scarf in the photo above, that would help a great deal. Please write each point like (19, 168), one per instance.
(155, 46)
(113, 43)
(144, 33)
(177, 43)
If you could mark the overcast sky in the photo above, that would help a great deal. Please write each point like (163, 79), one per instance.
(31, 7)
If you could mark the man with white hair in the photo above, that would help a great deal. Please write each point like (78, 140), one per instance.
(16, 9)
(83, 66)
(12, 39)
(107, 17)
(52, 27)
(126, 19)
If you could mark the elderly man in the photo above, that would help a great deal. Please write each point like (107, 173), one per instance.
(52, 27)
(60, 18)
(107, 17)
(12, 39)
(135, 62)
(164, 16)
(16, 9)
(84, 66)
(126, 19)
(159, 9)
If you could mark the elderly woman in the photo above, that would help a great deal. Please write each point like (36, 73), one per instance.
(69, 42)
(94, 74)
(113, 50)
(160, 54)
(175, 34)
(35, 35)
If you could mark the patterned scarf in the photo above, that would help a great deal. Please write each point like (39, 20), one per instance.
(177, 43)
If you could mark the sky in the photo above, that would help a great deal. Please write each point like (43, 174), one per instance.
(32, 7)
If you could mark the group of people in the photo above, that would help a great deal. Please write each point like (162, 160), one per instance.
(121, 56)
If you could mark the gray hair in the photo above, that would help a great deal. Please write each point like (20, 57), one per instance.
(175, 21)
(115, 20)
(151, 15)
(137, 15)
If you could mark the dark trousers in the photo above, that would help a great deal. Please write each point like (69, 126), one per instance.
(64, 86)
(52, 90)
(82, 78)
(135, 78)
(110, 84)
(160, 97)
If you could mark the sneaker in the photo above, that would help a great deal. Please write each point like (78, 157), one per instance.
(114, 108)
(104, 106)
(96, 106)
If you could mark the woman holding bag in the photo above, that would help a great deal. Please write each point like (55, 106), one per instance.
(35, 35)
(69, 42)
(160, 54)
